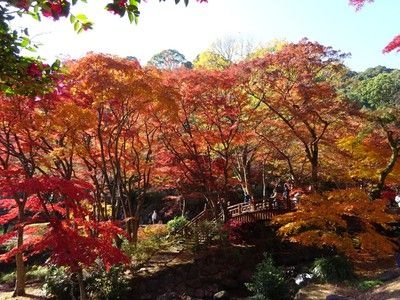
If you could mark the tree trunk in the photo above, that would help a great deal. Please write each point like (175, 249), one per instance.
(19, 289)
(82, 291)
(314, 169)
(376, 192)
(183, 206)
(134, 222)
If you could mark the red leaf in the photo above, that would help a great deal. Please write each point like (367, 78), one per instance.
(393, 45)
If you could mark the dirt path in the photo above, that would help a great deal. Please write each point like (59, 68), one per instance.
(33, 291)
(387, 291)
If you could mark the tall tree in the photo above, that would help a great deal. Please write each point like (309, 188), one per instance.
(169, 59)
(379, 98)
(296, 85)
(223, 53)
(118, 149)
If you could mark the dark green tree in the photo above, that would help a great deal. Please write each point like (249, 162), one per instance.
(169, 59)
(20, 74)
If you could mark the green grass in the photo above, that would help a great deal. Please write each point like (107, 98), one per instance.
(7, 277)
(368, 285)
(36, 273)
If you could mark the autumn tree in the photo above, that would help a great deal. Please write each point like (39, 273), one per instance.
(18, 152)
(54, 219)
(211, 142)
(190, 159)
(118, 151)
(210, 60)
(375, 144)
(223, 53)
(296, 88)
(31, 194)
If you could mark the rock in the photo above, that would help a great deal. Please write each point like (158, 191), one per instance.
(210, 290)
(222, 295)
(390, 275)
(303, 279)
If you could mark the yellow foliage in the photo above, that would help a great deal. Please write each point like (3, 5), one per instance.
(211, 61)
(369, 156)
(152, 231)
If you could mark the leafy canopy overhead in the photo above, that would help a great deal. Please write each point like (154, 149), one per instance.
(56, 9)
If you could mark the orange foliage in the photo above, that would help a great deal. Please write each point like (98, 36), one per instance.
(346, 220)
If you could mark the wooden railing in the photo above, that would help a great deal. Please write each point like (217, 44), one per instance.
(246, 212)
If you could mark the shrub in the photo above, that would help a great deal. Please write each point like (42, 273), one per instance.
(111, 284)
(60, 284)
(369, 284)
(155, 232)
(333, 269)
(239, 232)
(151, 239)
(205, 233)
(99, 283)
(268, 281)
(37, 273)
(176, 224)
(7, 277)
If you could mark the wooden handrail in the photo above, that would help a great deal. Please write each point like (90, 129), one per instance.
(246, 212)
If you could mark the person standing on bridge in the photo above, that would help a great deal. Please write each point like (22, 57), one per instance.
(252, 203)
(247, 198)
(278, 194)
(154, 217)
(223, 205)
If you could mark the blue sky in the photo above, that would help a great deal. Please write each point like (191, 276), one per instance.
(192, 29)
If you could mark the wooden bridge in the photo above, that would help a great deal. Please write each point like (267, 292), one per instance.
(244, 212)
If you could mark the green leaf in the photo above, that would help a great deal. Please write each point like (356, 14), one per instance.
(35, 16)
(177, 1)
(136, 19)
(74, 2)
(186, 2)
(25, 42)
(31, 49)
(56, 65)
(132, 8)
(72, 18)
(131, 16)
(77, 25)
(82, 18)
